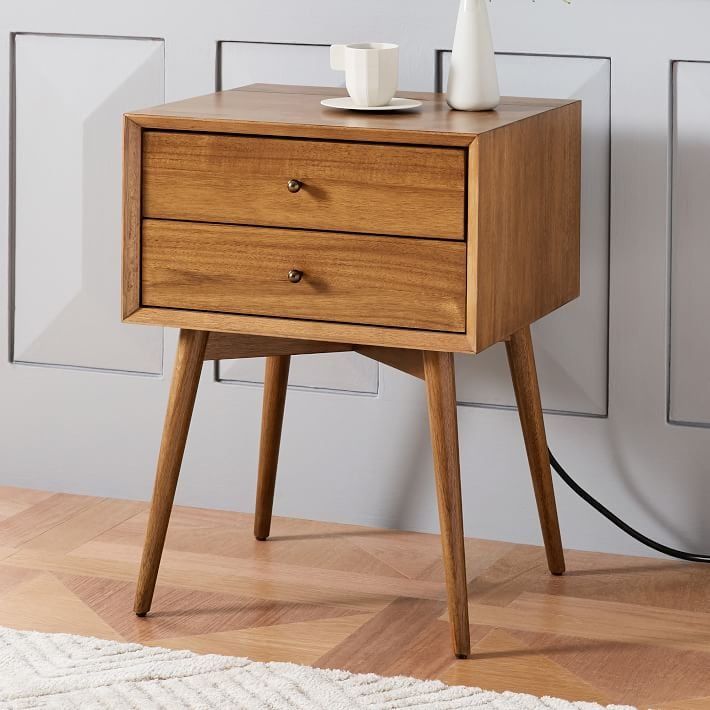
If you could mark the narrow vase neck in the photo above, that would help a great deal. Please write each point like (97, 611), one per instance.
(471, 5)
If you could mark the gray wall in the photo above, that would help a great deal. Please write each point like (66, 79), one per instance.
(623, 370)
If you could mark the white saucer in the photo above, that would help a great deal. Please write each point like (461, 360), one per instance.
(346, 102)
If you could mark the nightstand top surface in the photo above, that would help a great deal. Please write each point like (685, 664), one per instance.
(272, 109)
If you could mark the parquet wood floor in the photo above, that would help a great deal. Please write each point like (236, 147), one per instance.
(613, 630)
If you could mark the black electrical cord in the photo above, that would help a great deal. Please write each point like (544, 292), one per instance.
(616, 520)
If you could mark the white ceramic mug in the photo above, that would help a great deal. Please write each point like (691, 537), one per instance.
(371, 71)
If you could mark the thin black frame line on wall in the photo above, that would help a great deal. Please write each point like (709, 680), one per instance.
(439, 88)
(218, 83)
(12, 208)
(672, 128)
(218, 378)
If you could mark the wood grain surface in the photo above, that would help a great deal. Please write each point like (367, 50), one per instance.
(275, 110)
(517, 169)
(521, 359)
(132, 186)
(441, 398)
(183, 391)
(625, 630)
(229, 346)
(306, 330)
(275, 386)
(408, 283)
(350, 187)
(409, 361)
(524, 223)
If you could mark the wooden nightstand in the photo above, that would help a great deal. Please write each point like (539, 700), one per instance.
(262, 224)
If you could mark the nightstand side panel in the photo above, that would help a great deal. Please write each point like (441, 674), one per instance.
(132, 188)
(524, 223)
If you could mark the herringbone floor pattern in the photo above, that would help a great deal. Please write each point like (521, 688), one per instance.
(613, 630)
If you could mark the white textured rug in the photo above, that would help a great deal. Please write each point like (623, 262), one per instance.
(60, 671)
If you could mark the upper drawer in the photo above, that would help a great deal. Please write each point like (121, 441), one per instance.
(350, 187)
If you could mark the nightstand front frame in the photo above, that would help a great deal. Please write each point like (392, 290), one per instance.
(133, 311)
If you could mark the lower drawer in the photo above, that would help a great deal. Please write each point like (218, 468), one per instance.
(345, 278)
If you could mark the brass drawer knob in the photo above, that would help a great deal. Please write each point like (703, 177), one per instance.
(294, 185)
(294, 276)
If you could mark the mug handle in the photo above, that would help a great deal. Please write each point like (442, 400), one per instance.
(337, 57)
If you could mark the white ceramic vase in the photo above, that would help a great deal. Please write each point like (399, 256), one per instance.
(473, 79)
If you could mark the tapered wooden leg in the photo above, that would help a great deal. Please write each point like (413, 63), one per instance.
(441, 394)
(275, 384)
(183, 390)
(527, 393)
